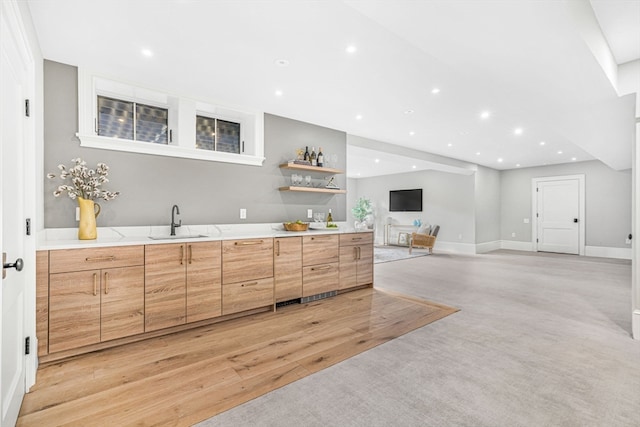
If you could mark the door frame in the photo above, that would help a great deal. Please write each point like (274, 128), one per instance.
(581, 215)
(30, 56)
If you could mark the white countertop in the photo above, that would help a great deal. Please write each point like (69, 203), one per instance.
(67, 238)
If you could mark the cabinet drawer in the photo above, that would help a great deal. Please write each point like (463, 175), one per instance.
(317, 279)
(321, 249)
(244, 260)
(64, 260)
(244, 296)
(356, 239)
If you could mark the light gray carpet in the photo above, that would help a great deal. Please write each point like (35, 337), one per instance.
(395, 253)
(541, 340)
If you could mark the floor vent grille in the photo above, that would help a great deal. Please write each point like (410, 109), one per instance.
(318, 296)
(285, 303)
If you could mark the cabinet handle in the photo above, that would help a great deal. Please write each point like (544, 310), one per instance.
(355, 252)
(359, 251)
(95, 284)
(277, 247)
(190, 253)
(324, 267)
(254, 242)
(181, 253)
(100, 258)
(106, 283)
(320, 237)
(249, 284)
(353, 239)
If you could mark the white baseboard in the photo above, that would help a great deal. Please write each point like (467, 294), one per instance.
(635, 324)
(606, 252)
(482, 248)
(461, 248)
(516, 245)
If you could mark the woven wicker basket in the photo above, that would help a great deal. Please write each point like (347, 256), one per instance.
(295, 226)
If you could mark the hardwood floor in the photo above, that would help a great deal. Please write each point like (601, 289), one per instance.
(186, 377)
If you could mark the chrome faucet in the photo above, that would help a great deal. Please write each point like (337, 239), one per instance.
(174, 211)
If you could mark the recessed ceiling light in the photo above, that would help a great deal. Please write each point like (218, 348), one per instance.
(278, 92)
(412, 133)
(500, 160)
(485, 115)
(282, 62)
(435, 90)
(573, 159)
(351, 49)
(517, 165)
(559, 151)
(449, 145)
(542, 142)
(359, 117)
(377, 160)
(478, 153)
(414, 166)
(147, 52)
(409, 112)
(517, 131)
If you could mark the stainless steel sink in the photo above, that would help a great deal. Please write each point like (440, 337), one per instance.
(188, 236)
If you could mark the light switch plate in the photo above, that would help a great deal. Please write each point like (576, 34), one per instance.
(77, 213)
(309, 213)
(526, 220)
(243, 214)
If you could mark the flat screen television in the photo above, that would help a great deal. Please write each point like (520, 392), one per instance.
(405, 200)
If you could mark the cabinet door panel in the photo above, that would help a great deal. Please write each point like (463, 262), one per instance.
(165, 286)
(320, 249)
(74, 310)
(348, 266)
(204, 279)
(287, 268)
(244, 296)
(248, 259)
(317, 279)
(365, 265)
(122, 302)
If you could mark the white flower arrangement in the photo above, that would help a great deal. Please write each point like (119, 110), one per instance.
(85, 182)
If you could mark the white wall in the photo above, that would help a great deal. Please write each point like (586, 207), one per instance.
(487, 205)
(448, 200)
(608, 202)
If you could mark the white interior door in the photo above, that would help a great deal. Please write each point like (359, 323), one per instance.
(13, 87)
(558, 216)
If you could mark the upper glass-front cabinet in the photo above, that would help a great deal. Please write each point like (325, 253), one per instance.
(118, 116)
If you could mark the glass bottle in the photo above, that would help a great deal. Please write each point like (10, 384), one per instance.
(329, 218)
(306, 154)
(320, 158)
(314, 159)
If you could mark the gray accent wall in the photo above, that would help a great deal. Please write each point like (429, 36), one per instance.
(206, 192)
(448, 200)
(487, 205)
(608, 202)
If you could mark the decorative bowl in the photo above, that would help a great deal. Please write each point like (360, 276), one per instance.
(296, 226)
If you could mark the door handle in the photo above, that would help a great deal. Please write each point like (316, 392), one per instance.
(18, 265)
(575, 219)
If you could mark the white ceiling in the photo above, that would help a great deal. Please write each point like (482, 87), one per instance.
(525, 62)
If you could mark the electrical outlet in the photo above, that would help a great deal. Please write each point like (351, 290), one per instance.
(77, 213)
(627, 241)
(459, 236)
(513, 234)
(243, 214)
(309, 213)
(526, 220)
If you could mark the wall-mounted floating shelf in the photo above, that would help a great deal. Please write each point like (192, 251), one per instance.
(313, 190)
(309, 168)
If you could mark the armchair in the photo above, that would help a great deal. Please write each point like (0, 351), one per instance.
(423, 240)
